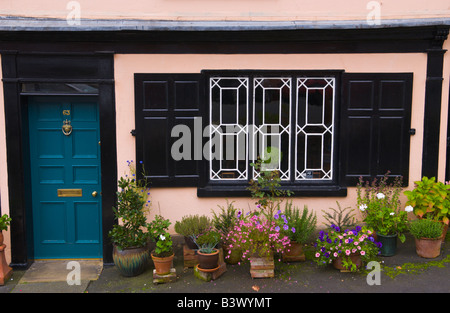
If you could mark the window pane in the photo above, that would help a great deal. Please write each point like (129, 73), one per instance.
(271, 129)
(229, 121)
(314, 128)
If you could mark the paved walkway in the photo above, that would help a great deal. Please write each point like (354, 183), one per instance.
(403, 273)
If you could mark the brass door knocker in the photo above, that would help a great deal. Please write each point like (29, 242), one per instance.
(67, 128)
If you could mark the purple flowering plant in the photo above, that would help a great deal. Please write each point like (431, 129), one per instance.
(338, 243)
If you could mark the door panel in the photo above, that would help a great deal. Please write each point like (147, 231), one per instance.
(65, 171)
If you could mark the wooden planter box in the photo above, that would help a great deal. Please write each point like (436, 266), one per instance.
(262, 267)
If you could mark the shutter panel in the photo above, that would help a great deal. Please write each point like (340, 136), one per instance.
(375, 125)
(164, 101)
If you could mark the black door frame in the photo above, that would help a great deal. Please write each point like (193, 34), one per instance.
(19, 68)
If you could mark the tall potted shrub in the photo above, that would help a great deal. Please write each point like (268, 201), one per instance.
(381, 208)
(427, 235)
(298, 225)
(129, 236)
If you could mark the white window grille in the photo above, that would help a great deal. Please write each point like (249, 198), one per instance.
(271, 130)
(303, 141)
(229, 122)
(314, 128)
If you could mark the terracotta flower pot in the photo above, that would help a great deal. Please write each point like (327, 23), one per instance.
(428, 248)
(131, 261)
(355, 258)
(444, 232)
(163, 265)
(208, 261)
(295, 249)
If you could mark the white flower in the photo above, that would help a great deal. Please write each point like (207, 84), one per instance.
(363, 207)
(409, 208)
(392, 213)
(380, 195)
(162, 237)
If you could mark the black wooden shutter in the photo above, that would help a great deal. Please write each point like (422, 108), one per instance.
(162, 102)
(375, 125)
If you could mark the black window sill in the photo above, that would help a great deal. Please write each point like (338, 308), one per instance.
(299, 191)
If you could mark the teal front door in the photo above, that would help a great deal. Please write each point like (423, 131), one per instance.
(65, 177)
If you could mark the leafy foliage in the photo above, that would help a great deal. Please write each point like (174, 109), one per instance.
(130, 213)
(4, 222)
(266, 190)
(339, 217)
(426, 228)
(380, 206)
(207, 241)
(302, 223)
(192, 225)
(430, 199)
(224, 221)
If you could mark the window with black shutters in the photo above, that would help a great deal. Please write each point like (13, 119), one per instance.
(325, 128)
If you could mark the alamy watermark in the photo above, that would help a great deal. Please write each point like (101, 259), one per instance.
(374, 15)
(74, 15)
(74, 276)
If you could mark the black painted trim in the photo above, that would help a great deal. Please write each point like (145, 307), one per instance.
(357, 40)
(19, 67)
(432, 113)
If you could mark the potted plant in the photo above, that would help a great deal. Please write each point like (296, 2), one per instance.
(130, 240)
(207, 253)
(163, 255)
(191, 226)
(298, 226)
(5, 270)
(429, 199)
(427, 234)
(224, 222)
(5, 220)
(258, 238)
(346, 249)
(381, 209)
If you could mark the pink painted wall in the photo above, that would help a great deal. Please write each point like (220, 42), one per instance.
(174, 203)
(229, 9)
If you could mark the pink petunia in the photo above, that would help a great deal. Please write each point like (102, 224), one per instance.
(347, 252)
(363, 252)
(317, 254)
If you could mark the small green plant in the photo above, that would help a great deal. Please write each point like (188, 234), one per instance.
(224, 221)
(164, 246)
(207, 241)
(192, 225)
(429, 199)
(339, 217)
(130, 213)
(426, 228)
(266, 189)
(158, 227)
(4, 222)
(302, 223)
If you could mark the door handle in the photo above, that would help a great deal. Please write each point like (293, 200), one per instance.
(94, 194)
